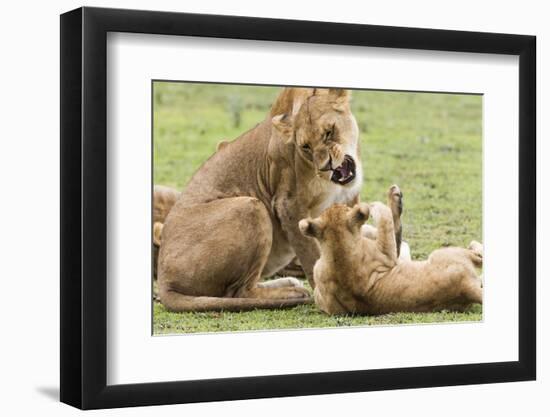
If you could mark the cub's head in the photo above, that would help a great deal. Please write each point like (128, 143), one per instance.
(319, 122)
(337, 225)
(164, 199)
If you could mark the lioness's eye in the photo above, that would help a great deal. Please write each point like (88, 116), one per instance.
(306, 147)
(329, 133)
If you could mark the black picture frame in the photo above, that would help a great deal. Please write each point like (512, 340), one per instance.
(84, 207)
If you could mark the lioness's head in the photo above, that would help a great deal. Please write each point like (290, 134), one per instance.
(338, 224)
(319, 122)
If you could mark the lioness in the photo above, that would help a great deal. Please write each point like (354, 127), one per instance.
(237, 219)
(359, 275)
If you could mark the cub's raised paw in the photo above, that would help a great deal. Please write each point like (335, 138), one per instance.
(395, 199)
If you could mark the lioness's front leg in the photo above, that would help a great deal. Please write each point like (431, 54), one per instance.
(200, 270)
(306, 249)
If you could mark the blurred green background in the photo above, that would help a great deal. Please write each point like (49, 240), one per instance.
(429, 144)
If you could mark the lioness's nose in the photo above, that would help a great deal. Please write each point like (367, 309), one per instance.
(328, 165)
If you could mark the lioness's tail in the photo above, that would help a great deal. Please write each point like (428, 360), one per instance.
(178, 302)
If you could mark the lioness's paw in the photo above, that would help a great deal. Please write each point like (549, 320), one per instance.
(281, 282)
(293, 282)
(298, 292)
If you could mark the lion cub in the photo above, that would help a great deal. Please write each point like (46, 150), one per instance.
(164, 199)
(359, 275)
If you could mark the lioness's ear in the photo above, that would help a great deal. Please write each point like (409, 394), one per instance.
(157, 233)
(283, 123)
(341, 98)
(309, 227)
(222, 145)
(358, 215)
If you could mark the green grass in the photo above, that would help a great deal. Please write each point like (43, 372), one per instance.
(429, 144)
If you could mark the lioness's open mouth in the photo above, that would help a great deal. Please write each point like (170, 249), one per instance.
(345, 173)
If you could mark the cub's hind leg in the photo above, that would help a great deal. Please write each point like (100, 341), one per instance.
(472, 289)
(477, 249)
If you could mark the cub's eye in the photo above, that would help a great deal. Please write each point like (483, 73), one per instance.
(306, 148)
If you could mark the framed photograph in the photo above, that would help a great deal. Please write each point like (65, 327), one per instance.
(259, 208)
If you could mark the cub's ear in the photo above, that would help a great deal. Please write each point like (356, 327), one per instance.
(157, 233)
(310, 228)
(341, 98)
(358, 215)
(283, 123)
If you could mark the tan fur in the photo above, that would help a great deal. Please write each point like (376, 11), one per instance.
(359, 275)
(293, 269)
(237, 220)
(221, 145)
(164, 199)
(157, 232)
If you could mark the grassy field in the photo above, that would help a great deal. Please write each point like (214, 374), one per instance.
(429, 144)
